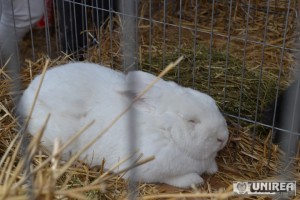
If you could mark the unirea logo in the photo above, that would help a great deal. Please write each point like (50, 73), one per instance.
(272, 186)
(265, 188)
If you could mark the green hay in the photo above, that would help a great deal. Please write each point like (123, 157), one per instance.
(226, 80)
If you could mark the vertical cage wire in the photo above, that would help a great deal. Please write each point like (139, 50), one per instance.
(227, 53)
(111, 33)
(261, 76)
(31, 33)
(47, 28)
(179, 38)
(210, 46)
(244, 61)
(74, 36)
(165, 4)
(150, 33)
(195, 44)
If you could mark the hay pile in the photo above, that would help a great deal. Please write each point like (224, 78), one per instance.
(238, 65)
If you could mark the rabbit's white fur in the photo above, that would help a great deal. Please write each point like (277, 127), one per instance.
(181, 127)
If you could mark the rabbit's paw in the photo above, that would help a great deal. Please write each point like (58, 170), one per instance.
(213, 168)
(184, 181)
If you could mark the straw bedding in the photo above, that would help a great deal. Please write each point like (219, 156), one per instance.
(249, 154)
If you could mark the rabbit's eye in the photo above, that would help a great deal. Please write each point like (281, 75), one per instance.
(193, 121)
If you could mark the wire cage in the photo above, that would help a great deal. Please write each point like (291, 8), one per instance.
(244, 54)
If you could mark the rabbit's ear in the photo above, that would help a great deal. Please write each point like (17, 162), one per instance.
(136, 82)
(140, 80)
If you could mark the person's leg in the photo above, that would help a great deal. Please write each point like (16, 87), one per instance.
(16, 19)
(21, 15)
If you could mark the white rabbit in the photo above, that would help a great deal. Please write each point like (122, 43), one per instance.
(181, 127)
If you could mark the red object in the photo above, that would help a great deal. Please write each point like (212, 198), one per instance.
(42, 23)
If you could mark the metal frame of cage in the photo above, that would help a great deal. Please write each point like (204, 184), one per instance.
(128, 12)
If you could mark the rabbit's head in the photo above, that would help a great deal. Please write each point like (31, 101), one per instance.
(190, 119)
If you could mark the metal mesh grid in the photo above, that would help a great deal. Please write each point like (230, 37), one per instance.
(174, 19)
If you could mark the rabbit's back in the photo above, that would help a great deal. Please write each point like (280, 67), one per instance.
(75, 84)
(73, 95)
